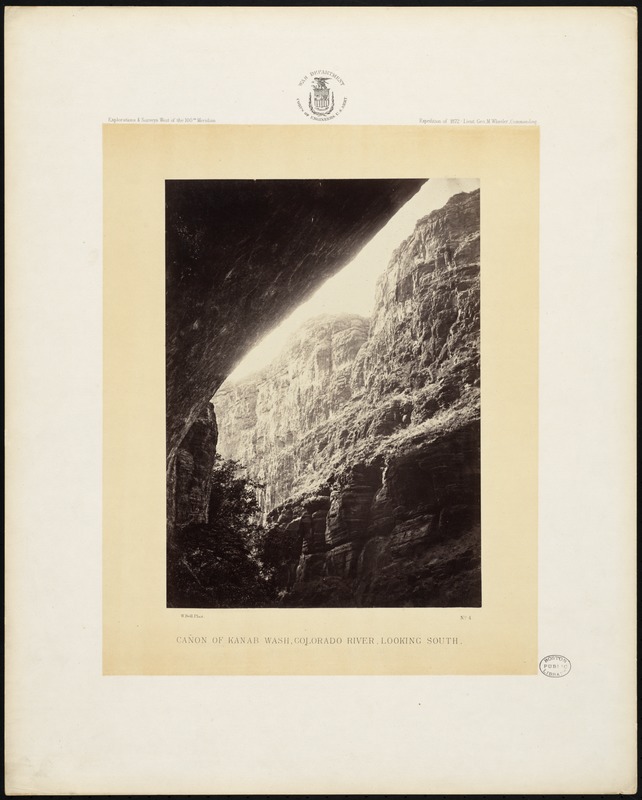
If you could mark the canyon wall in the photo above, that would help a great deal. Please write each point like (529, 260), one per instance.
(189, 473)
(239, 255)
(365, 434)
(274, 420)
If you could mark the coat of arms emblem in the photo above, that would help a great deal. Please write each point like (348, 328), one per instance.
(321, 98)
(321, 95)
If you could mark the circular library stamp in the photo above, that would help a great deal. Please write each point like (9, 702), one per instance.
(555, 666)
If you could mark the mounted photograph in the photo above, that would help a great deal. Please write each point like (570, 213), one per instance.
(323, 393)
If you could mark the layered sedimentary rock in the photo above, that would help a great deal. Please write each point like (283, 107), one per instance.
(366, 435)
(402, 533)
(272, 418)
(239, 255)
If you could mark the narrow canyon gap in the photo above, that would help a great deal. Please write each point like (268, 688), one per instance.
(361, 440)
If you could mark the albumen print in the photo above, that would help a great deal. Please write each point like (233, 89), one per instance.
(323, 393)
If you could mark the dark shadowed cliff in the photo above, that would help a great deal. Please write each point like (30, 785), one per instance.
(240, 254)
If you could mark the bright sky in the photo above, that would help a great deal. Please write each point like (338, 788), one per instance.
(352, 289)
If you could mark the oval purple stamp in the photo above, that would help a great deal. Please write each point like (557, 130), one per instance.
(555, 666)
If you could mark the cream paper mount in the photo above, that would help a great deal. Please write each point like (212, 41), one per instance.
(144, 637)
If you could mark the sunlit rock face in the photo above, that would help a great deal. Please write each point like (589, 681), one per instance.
(366, 437)
(425, 329)
(272, 419)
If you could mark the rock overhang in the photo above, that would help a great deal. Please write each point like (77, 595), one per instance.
(240, 254)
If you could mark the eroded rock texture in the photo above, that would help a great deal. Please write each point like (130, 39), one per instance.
(274, 420)
(239, 256)
(189, 473)
(366, 434)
